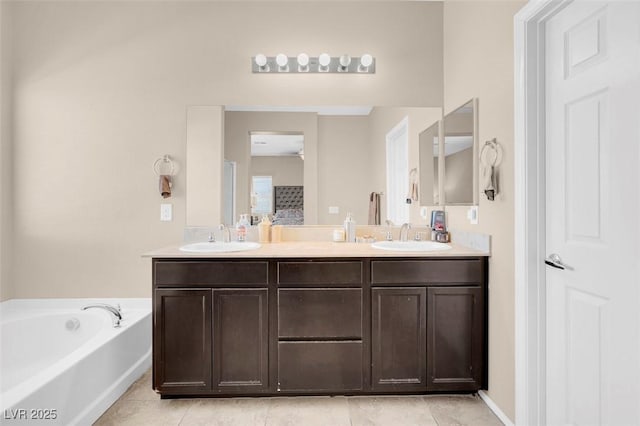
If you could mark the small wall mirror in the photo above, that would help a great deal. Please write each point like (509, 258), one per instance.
(429, 149)
(449, 159)
(460, 157)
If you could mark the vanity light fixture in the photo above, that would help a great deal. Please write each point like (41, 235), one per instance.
(324, 60)
(303, 63)
(261, 61)
(366, 61)
(345, 61)
(283, 62)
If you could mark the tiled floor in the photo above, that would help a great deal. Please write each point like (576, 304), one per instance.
(141, 406)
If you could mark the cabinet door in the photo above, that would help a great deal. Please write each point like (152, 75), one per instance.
(455, 338)
(398, 339)
(241, 328)
(182, 341)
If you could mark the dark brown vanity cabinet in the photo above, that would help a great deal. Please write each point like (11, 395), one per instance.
(319, 326)
(455, 334)
(398, 339)
(210, 331)
(182, 341)
(428, 324)
(240, 340)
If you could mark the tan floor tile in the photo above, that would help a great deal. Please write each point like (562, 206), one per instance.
(384, 411)
(142, 413)
(227, 412)
(141, 390)
(309, 411)
(465, 410)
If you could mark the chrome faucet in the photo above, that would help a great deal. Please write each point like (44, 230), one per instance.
(404, 231)
(222, 227)
(116, 312)
(212, 238)
(389, 236)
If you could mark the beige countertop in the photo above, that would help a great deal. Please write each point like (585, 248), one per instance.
(315, 249)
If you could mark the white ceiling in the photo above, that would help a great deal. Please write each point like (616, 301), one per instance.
(270, 145)
(320, 110)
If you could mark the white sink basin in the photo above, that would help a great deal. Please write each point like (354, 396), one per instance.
(219, 247)
(410, 245)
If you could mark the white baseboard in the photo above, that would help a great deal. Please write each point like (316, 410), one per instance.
(496, 410)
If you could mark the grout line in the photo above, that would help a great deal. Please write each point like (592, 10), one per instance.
(186, 412)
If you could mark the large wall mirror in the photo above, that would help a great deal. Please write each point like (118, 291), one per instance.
(449, 160)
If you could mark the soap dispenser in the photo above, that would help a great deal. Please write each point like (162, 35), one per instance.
(350, 229)
(264, 229)
(242, 227)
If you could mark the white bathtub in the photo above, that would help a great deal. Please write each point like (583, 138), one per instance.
(60, 365)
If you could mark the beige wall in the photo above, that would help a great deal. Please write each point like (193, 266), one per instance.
(204, 157)
(478, 62)
(237, 148)
(101, 91)
(6, 286)
(344, 168)
(382, 120)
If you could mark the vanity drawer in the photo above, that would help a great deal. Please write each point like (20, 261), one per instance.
(450, 271)
(325, 274)
(320, 313)
(319, 366)
(211, 273)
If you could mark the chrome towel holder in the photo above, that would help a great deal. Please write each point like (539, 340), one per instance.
(164, 166)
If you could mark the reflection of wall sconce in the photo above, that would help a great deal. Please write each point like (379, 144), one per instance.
(301, 154)
(303, 63)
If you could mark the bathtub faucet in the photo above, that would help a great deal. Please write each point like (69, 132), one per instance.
(116, 314)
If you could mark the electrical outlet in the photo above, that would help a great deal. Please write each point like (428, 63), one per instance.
(472, 215)
(166, 212)
(334, 210)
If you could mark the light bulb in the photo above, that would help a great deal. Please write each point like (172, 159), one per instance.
(282, 60)
(366, 60)
(324, 60)
(303, 59)
(261, 60)
(345, 60)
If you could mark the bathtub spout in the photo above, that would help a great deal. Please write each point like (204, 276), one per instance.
(116, 316)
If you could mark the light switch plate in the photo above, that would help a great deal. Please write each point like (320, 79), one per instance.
(166, 212)
(472, 215)
(424, 212)
(334, 210)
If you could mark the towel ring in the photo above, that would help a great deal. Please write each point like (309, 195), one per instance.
(491, 146)
(162, 164)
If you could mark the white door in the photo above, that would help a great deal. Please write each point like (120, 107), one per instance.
(592, 195)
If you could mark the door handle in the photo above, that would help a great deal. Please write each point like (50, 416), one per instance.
(554, 260)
